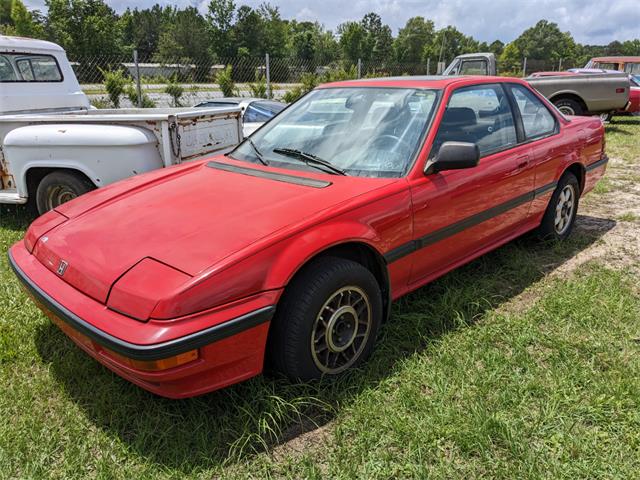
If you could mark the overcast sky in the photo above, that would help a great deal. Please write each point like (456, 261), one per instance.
(589, 21)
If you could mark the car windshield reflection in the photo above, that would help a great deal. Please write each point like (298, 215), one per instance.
(370, 132)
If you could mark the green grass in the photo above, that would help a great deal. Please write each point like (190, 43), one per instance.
(495, 370)
(628, 217)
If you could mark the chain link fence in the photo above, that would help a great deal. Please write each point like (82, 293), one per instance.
(147, 82)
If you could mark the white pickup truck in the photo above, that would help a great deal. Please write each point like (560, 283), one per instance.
(54, 146)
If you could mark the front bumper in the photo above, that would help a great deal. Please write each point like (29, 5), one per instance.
(230, 339)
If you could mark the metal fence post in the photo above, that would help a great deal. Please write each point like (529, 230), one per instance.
(138, 86)
(268, 74)
(359, 68)
(524, 67)
(428, 66)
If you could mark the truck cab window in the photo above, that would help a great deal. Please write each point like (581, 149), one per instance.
(7, 73)
(20, 67)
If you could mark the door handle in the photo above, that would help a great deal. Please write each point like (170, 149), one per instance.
(523, 162)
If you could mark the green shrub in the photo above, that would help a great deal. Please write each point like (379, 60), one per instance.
(259, 87)
(175, 90)
(115, 84)
(225, 81)
(132, 95)
(100, 103)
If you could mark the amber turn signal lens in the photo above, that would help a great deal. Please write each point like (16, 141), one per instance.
(157, 365)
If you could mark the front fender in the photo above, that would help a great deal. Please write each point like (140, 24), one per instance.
(270, 269)
(381, 225)
(104, 153)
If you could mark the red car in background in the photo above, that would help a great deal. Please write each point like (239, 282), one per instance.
(290, 249)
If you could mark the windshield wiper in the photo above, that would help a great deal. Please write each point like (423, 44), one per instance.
(258, 152)
(309, 159)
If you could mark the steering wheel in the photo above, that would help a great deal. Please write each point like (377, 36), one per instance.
(397, 141)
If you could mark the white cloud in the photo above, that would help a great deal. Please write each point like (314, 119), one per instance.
(589, 21)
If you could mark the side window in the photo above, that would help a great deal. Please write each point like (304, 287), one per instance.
(474, 67)
(31, 68)
(7, 73)
(254, 114)
(479, 114)
(536, 118)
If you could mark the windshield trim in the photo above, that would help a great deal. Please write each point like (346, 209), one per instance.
(423, 135)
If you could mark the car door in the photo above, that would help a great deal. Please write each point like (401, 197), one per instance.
(461, 213)
(540, 129)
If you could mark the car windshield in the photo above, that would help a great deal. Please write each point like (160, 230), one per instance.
(362, 131)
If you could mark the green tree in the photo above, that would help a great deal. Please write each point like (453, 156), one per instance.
(302, 40)
(511, 60)
(545, 41)
(378, 41)
(631, 47)
(141, 29)
(496, 47)
(84, 27)
(274, 31)
(412, 38)
(353, 41)
(23, 21)
(248, 30)
(448, 43)
(185, 38)
(220, 17)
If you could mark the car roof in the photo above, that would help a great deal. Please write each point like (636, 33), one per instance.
(422, 81)
(22, 44)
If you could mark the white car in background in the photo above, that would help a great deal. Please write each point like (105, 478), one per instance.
(255, 111)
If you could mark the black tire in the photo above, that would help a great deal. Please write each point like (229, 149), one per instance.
(550, 228)
(569, 106)
(298, 320)
(59, 187)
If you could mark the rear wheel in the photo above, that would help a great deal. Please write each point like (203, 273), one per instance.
(560, 215)
(568, 106)
(327, 320)
(59, 187)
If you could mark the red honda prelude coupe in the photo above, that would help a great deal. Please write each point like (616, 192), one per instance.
(289, 250)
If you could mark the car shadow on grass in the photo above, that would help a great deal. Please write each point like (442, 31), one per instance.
(235, 423)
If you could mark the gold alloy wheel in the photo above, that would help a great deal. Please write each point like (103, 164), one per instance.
(341, 330)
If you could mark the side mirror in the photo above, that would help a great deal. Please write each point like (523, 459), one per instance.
(454, 156)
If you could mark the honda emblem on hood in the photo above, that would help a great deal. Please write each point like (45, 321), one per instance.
(62, 267)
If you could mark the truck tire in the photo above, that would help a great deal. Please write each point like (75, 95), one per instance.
(59, 187)
(568, 106)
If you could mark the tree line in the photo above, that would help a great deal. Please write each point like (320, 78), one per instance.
(166, 33)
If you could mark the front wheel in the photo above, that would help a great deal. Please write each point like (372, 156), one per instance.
(59, 187)
(560, 215)
(327, 320)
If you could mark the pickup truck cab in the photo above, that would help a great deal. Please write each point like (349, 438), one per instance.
(54, 146)
(592, 94)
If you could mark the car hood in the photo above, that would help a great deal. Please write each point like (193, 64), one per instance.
(189, 218)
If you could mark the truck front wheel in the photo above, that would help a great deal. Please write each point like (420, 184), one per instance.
(57, 188)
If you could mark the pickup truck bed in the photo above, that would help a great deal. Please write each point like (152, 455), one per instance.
(175, 135)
